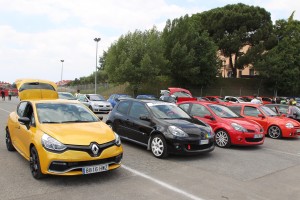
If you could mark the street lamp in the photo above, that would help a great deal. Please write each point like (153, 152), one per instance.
(62, 68)
(96, 40)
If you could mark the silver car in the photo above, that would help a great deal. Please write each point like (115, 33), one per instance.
(95, 102)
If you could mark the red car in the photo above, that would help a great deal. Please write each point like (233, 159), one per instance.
(218, 100)
(229, 128)
(275, 126)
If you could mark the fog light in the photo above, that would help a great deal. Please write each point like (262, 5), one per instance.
(59, 163)
(118, 158)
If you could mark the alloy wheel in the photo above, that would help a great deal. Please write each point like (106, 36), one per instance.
(274, 132)
(222, 139)
(35, 164)
(158, 146)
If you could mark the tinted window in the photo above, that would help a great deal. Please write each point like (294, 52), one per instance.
(167, 111)
(185, 107)
(138, 109)
(223, 111)
(251, 111)
(36, 85)
(123, 107)
(199, 110)
(21, 109)
(236, 109)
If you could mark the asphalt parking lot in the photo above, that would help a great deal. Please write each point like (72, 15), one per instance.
(270, 171)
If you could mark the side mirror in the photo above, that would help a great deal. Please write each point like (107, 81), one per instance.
(261, 115)
(145, 118)
(24, 121)
(209, 117)
(100, 117)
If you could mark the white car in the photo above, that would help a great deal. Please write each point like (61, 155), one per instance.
(234, 99)
(95, 102)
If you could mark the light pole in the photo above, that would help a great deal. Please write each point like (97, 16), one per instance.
(96, 40)
(62, 68)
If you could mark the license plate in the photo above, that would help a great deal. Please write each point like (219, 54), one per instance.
(258, 135)
(204, 141)
(94, 169)
(298, 130)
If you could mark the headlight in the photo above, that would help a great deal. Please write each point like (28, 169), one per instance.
(52, 144)
(289, 125)
(177, 131)
(211, 133)
(238, 127)
(117, 140)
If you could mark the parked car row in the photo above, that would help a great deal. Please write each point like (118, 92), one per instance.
(64, 137)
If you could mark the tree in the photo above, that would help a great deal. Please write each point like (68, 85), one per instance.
(280, 66)
(192, 53)
(233, 27)
(135, 58)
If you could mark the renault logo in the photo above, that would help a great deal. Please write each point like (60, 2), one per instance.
(95, 149)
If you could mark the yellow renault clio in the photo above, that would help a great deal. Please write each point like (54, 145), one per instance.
(59, 137)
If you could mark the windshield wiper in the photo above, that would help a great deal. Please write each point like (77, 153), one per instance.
(47, 122)
(75, 121)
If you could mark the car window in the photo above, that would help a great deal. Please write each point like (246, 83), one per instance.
(64, 113)
(251, 111)
(28, 112)
(283, 109)
(81, 98)
(36, 85)
(236, 109)
(21, 108)
(137, 110)
(184, 107)
(123, 107)
(95, 97)
(199, 110)
(223, 111)
(168, 111)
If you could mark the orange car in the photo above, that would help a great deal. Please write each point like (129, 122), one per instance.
(275, 126)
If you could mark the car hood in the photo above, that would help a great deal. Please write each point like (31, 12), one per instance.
(283, 120)
(79, 133)
(192, 127)
(104, 103)
(246, 123)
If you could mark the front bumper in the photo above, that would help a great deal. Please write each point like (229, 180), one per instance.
(246, 138)
(189, 146)
(290, 132)
(71, 162)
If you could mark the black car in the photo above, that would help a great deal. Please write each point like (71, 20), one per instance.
(160, 126)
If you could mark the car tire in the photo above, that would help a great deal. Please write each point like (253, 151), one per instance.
(158, 146)
(35, 166)
(274, 132)
(222, 139)
(8, 142)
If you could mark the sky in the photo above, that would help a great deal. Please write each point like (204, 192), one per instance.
(35, 35)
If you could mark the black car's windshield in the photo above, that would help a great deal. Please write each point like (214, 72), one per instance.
(168, 111)
(95, 97)
(268, 111)
(223, 111)
(64, 113)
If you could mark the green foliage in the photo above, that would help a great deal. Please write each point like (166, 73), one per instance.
(281, 65)
(135, 58)
(233, 27)
(191, 52)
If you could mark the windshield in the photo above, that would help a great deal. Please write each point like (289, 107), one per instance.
(181, 94)
(223, 111)
(64, 113)
(168, 111)
(268, 111)
(95, 97)
(68, 96)
(246, 99)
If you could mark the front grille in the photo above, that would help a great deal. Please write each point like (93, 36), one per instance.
(88, 149)
(59, 166)
(254, 139)
(195, 147)
(251, 131)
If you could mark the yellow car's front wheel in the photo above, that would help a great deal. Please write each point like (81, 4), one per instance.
(35, 166)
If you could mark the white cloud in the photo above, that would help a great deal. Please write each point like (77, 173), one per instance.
(73, 24)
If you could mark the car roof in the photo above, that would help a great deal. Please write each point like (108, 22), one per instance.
(245, 104)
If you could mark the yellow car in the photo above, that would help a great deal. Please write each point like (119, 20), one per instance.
(60, 137)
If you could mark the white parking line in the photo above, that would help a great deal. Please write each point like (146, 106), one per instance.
(166, 185)
(5, 110)
(282, 152)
